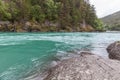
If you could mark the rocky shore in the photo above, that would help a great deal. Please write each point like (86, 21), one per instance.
(47, 26)
(88, 66)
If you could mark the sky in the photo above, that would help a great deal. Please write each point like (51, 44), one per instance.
(106, 7)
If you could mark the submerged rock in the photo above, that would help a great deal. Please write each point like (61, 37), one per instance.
(114, 50)
(85, 67)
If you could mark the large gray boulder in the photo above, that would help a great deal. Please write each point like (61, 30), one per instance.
(86, 67)
(114, 50)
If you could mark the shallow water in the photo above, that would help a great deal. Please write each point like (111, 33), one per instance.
(23, 54)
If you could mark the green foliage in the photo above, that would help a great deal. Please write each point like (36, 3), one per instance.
(114, 27)
(13, 11)
(99, 25)
(36, 13)
(67, 13)
(4, 14)
(51, 8)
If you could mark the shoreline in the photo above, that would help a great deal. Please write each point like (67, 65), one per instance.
(6, 26)
(87, 41)
(85, 65)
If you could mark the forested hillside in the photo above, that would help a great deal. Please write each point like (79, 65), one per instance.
(112, 21)
(48, 15)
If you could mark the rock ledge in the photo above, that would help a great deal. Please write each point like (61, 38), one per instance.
(86, 66)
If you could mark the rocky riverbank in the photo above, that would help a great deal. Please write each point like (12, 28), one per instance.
(47, 26)
(88, 66)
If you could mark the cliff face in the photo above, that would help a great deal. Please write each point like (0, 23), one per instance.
(86, 67)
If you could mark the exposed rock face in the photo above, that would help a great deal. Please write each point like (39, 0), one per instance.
(114, 50)
(86, 67)
(27, 26)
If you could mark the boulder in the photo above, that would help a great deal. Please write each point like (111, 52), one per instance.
(86, 66)
(114, 50)
(27, 26)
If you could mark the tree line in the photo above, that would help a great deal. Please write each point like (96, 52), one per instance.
(68, 13)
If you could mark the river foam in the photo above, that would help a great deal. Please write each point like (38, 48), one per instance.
(26, 55)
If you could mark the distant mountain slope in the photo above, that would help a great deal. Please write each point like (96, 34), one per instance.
(113, 19)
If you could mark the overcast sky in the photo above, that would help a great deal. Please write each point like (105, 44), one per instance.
(106, 7)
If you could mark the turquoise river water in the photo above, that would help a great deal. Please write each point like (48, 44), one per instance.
(24, 54)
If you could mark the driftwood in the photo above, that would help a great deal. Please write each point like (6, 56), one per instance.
(114, 50)
(86, 67)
